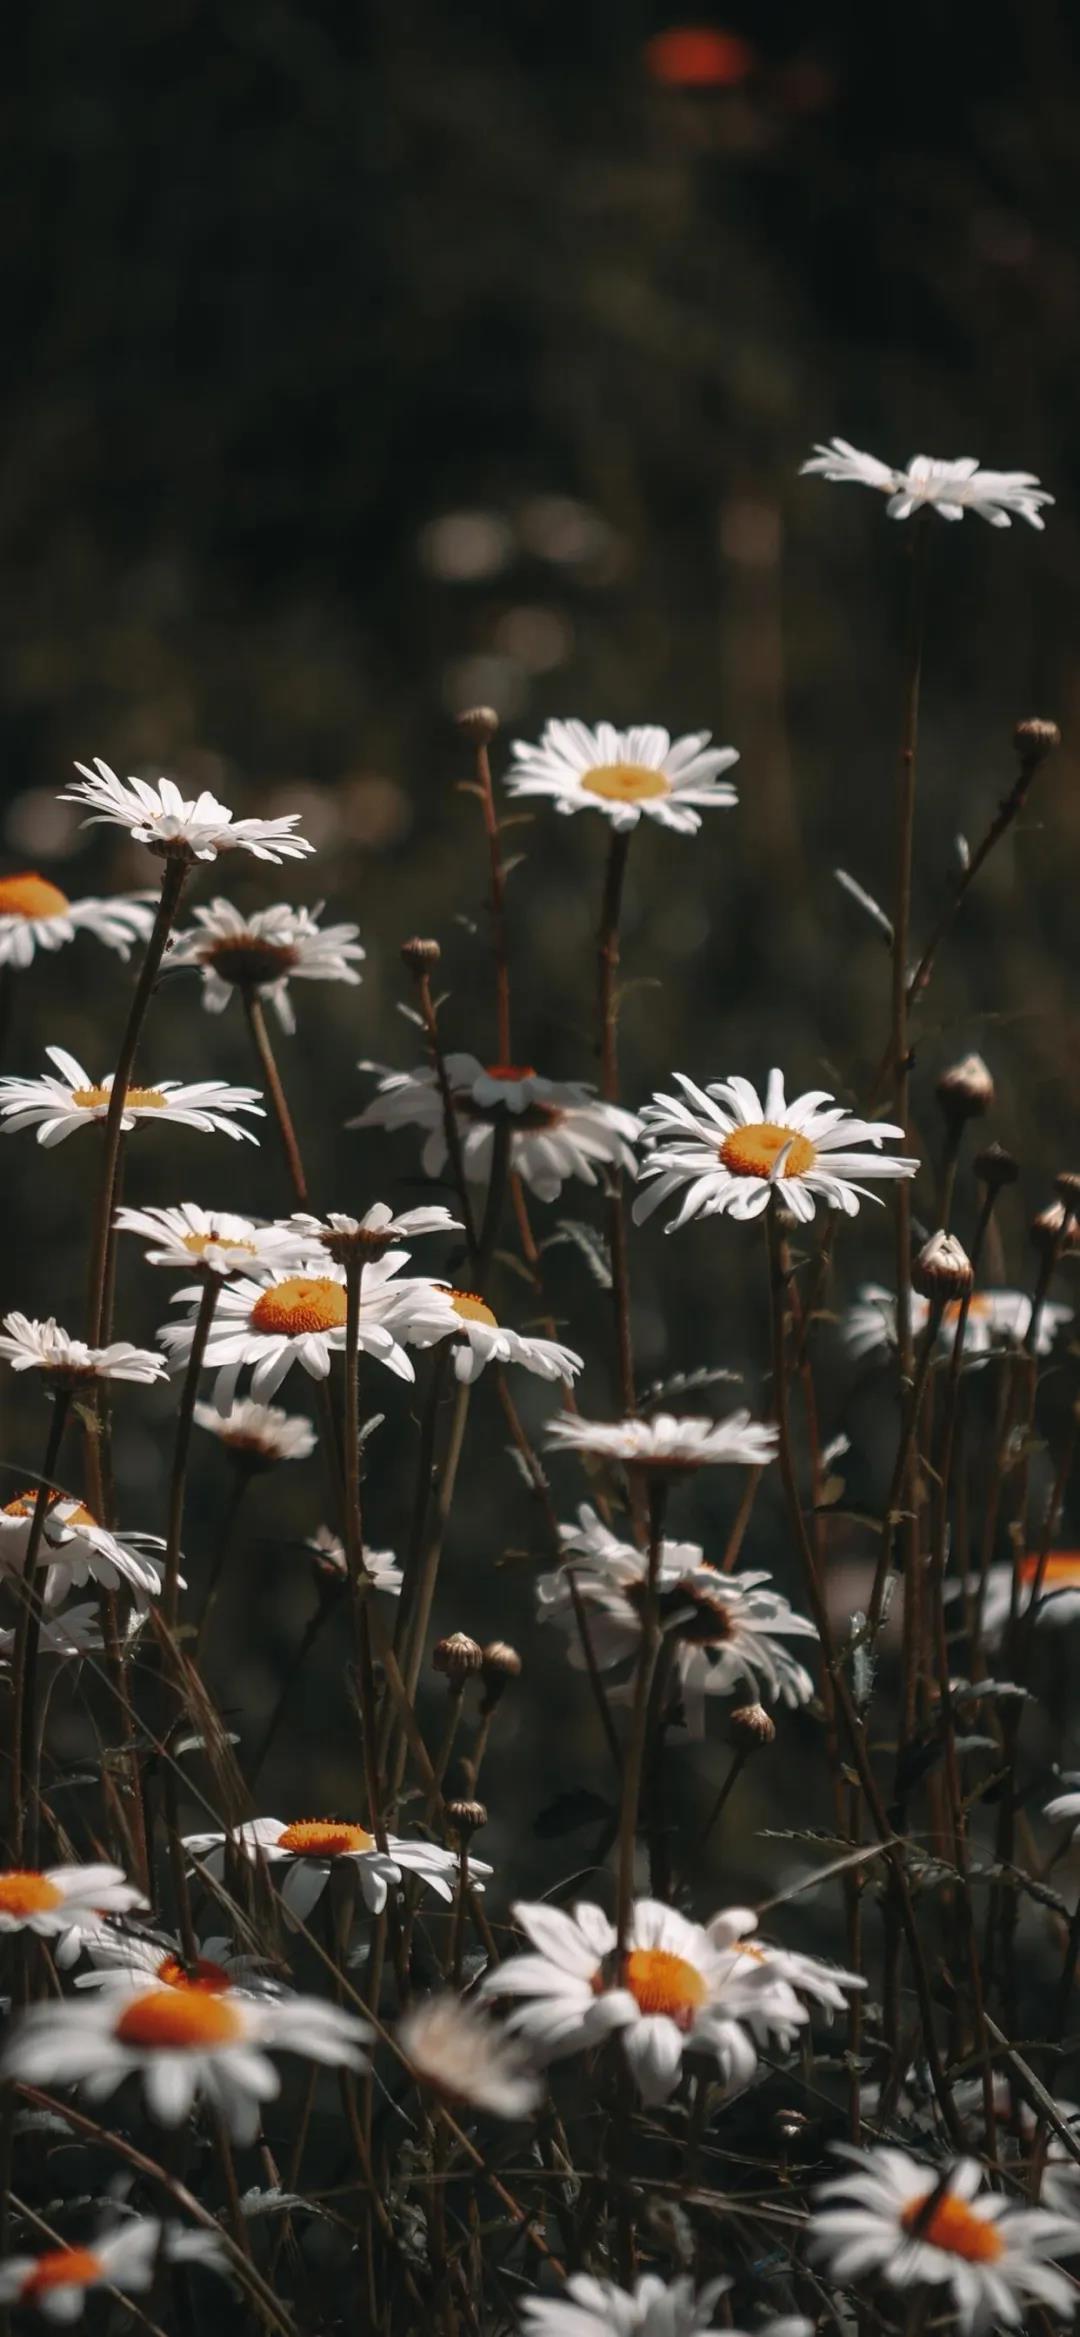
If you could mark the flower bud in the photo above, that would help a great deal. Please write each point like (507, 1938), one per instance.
(1035, 740)
(965, 1091)
(1054, 1229)
(465, 1818)
(502, 1664)
(751, 1728)
(479, 723)
(995, 1167)
(943, 1269)
(457, 1656)
(1067, 1188)
(420, 955)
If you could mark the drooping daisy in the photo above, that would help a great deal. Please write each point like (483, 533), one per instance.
(214, 1239)
(726, 1630)
(675, 1993)
(480, 1339)
(263, 953)
(373, 1234)
(58, 2282)
(75, 1550)
(652, 2308)
(626, 773)
(257, 1436)
(666, 1443)
(31, 1345)
(185, 2042)
(51, 1899)
(56, 1107)
(310, 1848)
(917, 2226)
(558, 1127)
(300, 1318)
(381, 1566)
(174, 828)
(996, 1318)
(952, 487)
(727, 1152)
(141, 1958)
(462, 2055)
(35, 914)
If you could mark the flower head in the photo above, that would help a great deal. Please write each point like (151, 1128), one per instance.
(258, 1435)
(309, 1848)
(75, 1549)
(461, 2054)
(995, 1319)
(50, 1899)
(370, 1236)
(57, 2282)
(30, 1345)
(136, 1959)
(652, 2308)
(480, 1339)
(300, 1318)
(263, 953)
(558, 1127)
(1059, 1595)
(380, 1566)
(35, 914)
(56, 1107)
(665, 1443)
(728, 1152)
(214, 1240)
(174, 828)
(952, 487)
(626, 773)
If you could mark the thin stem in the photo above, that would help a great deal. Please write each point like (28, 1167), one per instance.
(25, 1774)
(240, 1479)
(359, 1586)
(260, 1039)
(648, 1651)
(182, 1447)
(607, 1016)
(486, 793)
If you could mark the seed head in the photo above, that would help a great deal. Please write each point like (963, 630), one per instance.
(1034, 740)
(965, 1091)
(420, 955)
(457, 1656)
(943, 1269)
(751, 1728)
(465, 1818)
(995, 1167)
(479, 723)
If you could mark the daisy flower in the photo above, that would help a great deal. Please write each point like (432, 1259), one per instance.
(310, 1847)
(300, 1318)
(1059, 1598)
(56, 1107)
(263, 953)
(652, 2308)
(728, 1152)
(35, 914)
(727, 1630)
(76, 1550)
(1063, 1810)
(58, 2282)
(373, 1234)
(626, 773)
(173, 828)
(675, 1993)
(29, 1344)
(258, 1435)
(827, 1985)
(666, 1443)
(558, 1128)
(996, 1318)
(185, 2043)
(50, 1899)
(213, 1239)
(952, 487)
(141, 1958)
(380, 1566)
(463, 2056)
(480, 1339)
(915, 2226)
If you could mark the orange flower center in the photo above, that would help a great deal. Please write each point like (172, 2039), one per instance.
(25, 1892)
(625, 782)
(300, 1304)
(324, 1838)
(136, 1099)
(178, 2020)
(662, 1983)
(246, 958)
(199, 1243)
(63, 2268)
(754, 1152)
(1062, 1569)
(201, 1974)
(954, 2227)
(31, 896)
(25, 1504)
(471, 1308)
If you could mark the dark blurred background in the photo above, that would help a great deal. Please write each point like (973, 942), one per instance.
(367, 362)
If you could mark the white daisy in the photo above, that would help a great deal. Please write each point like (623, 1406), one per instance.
(265, 952)
(625, 773)
(185, 2042)
(161, 818)
(480, 1339)
(996, 1318)
(31, 1345)
(952, 487)
(58, 2282)
(675, 1993)
(728, 1151)
(733, 1933)
(381, 1566)
(652, 2308)
(1059, 1598)
(1063, 1810)
(373, 1234)
(727, 1630)
(258, 1435)
(35, 914)
(461, 2053)
(917, 2226)
(310, 1847)
(139, 1958)
(665, 1443)
(300, 1318)
(559, 1129)
(56, 1107)
(50, 1899)
(213, 1239)
(75, 1550)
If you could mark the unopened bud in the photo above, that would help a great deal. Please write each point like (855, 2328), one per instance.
(751, 1728)
(420, 955)
(1035, 740)
(458, 1656)
(1054, 1229)
(465, 1818)
(480, 723)
(943, 1269)
(995, 1167)
(966, 1090)
(1067, 1188)
(502, 1664)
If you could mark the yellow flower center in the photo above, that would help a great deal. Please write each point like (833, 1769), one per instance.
(660, 1982)
(31, 896)
(199, 1243)
(299, 1304)
(24, 1505)
(625, 782)
(471, 1308)
(754, 1151)
(137, 1099)
(509, 1071)
(954, 2227)
(1062, 1569)
(25, 1892)
(202, 1974)
(63, 2268)
(324, 1838)
(178, 2020)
